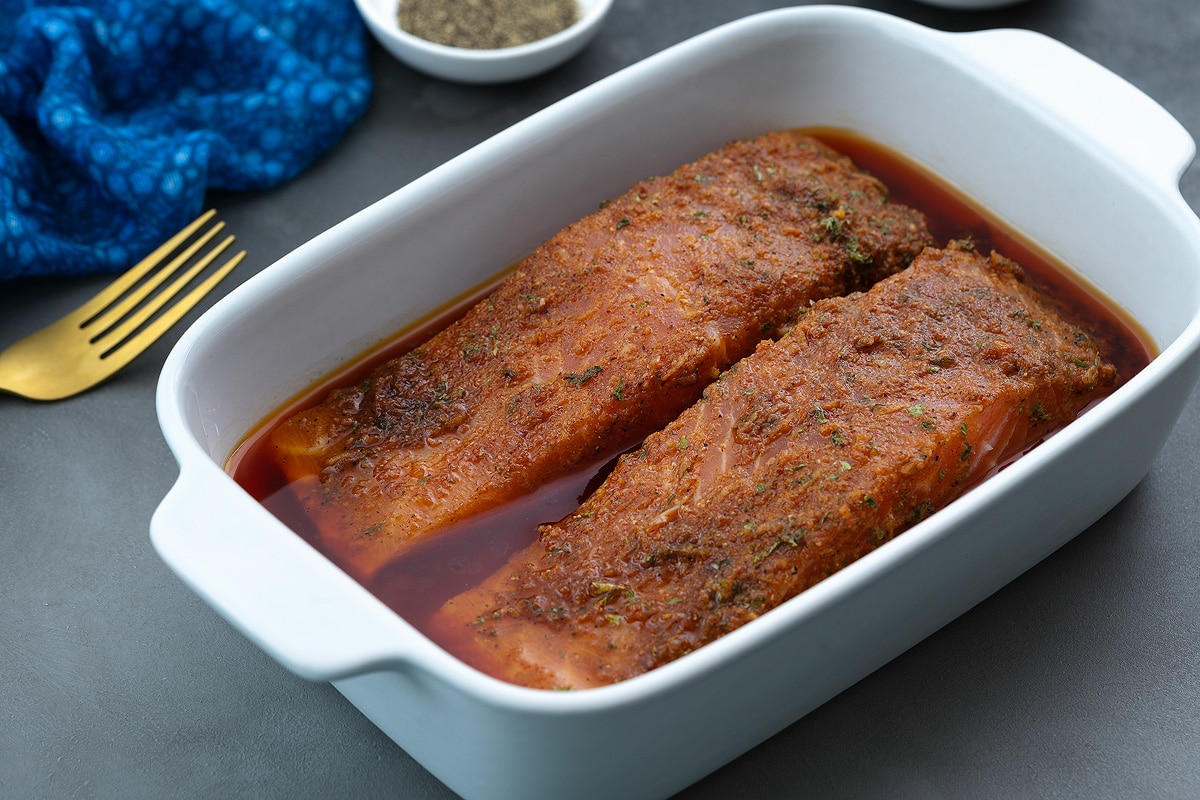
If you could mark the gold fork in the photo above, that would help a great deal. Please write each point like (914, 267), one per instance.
(114, 327)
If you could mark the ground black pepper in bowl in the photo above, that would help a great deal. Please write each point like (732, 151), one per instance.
(486, 24)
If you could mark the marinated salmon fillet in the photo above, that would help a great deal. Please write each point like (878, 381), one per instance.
(874, 412)
(602, 335)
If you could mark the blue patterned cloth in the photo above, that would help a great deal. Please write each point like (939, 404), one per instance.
(117, 115)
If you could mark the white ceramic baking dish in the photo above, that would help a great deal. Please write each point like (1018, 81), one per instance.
(1072, 156)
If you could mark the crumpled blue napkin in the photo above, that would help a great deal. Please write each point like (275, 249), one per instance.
(117, 115)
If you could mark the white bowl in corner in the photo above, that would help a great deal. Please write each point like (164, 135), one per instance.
(481, 66)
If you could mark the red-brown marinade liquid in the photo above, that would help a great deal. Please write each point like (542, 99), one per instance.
(436, 569)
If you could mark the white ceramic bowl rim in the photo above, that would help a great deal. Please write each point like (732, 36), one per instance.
(588, 14)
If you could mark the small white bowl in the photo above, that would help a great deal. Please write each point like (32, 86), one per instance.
(481, 66)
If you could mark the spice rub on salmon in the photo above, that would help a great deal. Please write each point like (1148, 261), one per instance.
(874, 412)
(600, 336)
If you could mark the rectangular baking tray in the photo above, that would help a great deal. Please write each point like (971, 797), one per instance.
(1070, 155)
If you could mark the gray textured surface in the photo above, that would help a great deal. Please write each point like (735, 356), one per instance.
(1079, 679)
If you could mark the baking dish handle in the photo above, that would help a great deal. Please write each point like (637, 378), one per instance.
(1105, 108)
(292, 602)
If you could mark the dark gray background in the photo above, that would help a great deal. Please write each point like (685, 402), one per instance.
(1080, 679)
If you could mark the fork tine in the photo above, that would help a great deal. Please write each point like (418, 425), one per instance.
(107, 338)
(104, 320)
(130, 277)
(125, 351)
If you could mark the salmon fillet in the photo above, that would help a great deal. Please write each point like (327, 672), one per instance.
(600, 336)
(872, 413)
